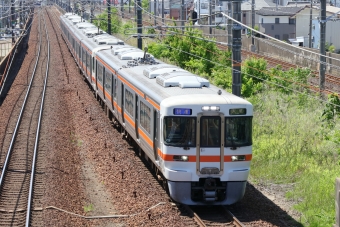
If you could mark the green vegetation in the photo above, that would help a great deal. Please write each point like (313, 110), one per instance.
(88, 208)
(296, 135)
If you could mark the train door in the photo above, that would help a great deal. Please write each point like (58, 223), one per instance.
(122, 102)
(93, 70)
(210, 144)
(155, 133)
(136, 115)
(114, 91)
(96, 77)
(103, 84)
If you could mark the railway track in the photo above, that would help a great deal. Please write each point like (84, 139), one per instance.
(21, 168)
(330, 80)
(212, 216)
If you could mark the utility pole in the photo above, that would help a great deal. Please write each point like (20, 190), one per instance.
(154, 11)
(252, 21)
(199, 12)
(322, 45)
(229, 26)
(163, 11)
(91, 17)
(236, 50)
(109, 17)
(209, 18)
(20, 7)
(13, 19)
(122, 7)
(139, 24)
(181, 16)
(310, 24)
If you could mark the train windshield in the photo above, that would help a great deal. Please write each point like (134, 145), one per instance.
(210, 131)
(238, 131)
(180, 131)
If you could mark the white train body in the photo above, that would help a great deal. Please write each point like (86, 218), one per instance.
(197, 135)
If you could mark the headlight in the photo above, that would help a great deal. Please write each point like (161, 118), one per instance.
(181, 158)
(210, 108)
(237, 158)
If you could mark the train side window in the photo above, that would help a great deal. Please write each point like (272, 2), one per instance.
(88, 60)
(84, 55)
(93, 64)
(79, 50)
(108, 80)
(100, 72)
(115, 88)
(145, 117)
(129, 102)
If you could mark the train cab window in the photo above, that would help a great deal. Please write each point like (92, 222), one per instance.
(238, 131)
(210, 131)
(179, 131)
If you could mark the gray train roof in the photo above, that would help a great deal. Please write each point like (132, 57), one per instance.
(158, 81)
(167, 84)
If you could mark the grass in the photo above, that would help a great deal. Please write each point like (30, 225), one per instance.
(289, 147)
(88, 208)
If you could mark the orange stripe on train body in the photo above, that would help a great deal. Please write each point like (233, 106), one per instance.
(131, 86)
(100, 87)
(108, 96)
(145, 137)
(106, 65)
(154, 104)
(128, 118)
(192, 158)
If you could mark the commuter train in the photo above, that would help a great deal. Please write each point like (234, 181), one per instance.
(198, 136)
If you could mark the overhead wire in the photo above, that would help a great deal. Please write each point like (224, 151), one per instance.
(266, 81)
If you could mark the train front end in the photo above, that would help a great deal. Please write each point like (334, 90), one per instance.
(206, 147)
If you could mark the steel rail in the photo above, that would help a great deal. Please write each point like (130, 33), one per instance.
(4, 169)
(30, 194)
(195, 216)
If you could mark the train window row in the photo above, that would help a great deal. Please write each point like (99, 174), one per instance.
(110, 83)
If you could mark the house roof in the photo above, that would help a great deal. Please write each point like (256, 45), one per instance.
(332, 9)
(298, 3)
(279, 11)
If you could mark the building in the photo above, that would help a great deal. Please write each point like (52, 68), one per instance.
(247, 14)
(278, 22)
(332, 28)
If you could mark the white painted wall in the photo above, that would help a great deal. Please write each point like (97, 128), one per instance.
(271, 19)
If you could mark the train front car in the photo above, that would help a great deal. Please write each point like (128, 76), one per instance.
(206, 147)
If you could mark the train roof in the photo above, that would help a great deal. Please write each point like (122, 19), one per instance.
(154, 78)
